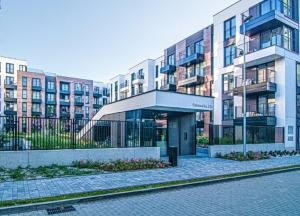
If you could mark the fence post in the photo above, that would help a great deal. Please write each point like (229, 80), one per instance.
(73, 134)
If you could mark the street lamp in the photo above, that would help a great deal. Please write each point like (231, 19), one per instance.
(244, 20)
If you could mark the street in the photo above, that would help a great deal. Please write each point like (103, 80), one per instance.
(269, 195)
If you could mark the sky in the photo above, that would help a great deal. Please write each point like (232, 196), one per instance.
(98, 39)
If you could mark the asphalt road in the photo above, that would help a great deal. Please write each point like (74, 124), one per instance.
(268, 195)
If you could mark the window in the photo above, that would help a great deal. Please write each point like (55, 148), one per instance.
(10, 68)
(229, 55)
(199, 47)
(156, 85)
(87, 99)
(36, 82)
(97, 101)
(23, 68)
(188, 51)
(140, 88)
(78, 87)
(229, 28)
(298, 106)
(65, 86)
(65, 98)
(36, 95)
(171, 60)
(141, 74)
(298, 74)
(87, 89)
(87, 111)
(50, 97)
(50, 109)
(24, 94)
(24, 81)
(50, 85)
(9, 80)
(97, 90)
(227, 110)
(36, 107)
(104, 101)
(156, 71)
(228, 82)
(199, 69)
(24, 107)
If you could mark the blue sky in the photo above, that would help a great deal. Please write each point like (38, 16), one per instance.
(97, 39)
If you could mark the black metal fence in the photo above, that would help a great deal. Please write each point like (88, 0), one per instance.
(226, 135)
(35, 133)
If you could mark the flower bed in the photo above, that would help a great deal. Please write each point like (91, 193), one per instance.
(79, 168)
(238, 156)
(122, 165)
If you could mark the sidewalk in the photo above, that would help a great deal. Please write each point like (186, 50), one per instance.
(189, 168)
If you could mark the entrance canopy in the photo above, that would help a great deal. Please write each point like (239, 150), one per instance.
(156, 100)
(159, 100)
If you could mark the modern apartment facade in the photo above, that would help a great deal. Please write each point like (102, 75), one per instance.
(34, 93)
(210, 63)
(272, 62)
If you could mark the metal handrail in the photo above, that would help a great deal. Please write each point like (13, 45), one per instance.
(256, 110)
(269, 76)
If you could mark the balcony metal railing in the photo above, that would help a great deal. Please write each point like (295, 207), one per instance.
(260, 110)
(200, 50)
(124, 85)
(258, 44)
(275, 5)
(266, 76)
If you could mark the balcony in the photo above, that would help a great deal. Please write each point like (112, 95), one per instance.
(79, 103)
(280, 15)
(168, 84)
(139, 79)
(51, 90)
(36, 88)
(78, 92)
(97, 94)
(64, 91)
(10, 85)
(36, 100)
(10, 112)
(64, 102)
(258, 52)
(257, 115)
(167, 69)
(256, 87)
(124, 87)
(194, 58)
(10, 99)
(36, 113)
(97, 106)
(53, 102)
(79, 114)
(50, 114)
(64, 114)
(192, 79)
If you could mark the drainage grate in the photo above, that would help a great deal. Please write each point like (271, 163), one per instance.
(59, 210)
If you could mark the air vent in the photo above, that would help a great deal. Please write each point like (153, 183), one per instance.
(60, 210)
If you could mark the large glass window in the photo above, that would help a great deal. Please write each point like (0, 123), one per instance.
(36, 95)
(229, 28)
(36, 107)
(50, 85)
(78, 87)
(36, 82)
(298, 74)
(199, 47)
(227, 110)
(229, 55)
(24, 107)
(65, 86)
(228, 82)
(50, 97)
(9, 80)
(24, 94)
(298, 106)
(171, 60)
(188, 51)
(199, 69)
(9, 68)
(24, 81)
(23, 68)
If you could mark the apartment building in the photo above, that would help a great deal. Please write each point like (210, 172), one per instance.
(35, 93)
(141, 78)
(8, 83)
(208, 65)
(271, 31)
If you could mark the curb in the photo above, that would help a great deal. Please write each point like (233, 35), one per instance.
(53, 204)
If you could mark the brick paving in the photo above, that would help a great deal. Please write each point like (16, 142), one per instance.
(268, 195)
(190, 167)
